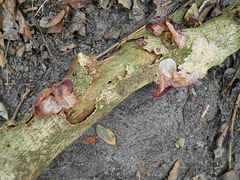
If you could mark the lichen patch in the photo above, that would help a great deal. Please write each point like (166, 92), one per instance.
(204, 56)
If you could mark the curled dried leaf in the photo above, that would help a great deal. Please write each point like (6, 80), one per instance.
(56, 25)
(168, 78)
(22, 24)
(178, 37)
(52, 100)
(191, 16)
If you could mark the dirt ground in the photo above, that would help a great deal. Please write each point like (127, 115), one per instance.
(146, 128)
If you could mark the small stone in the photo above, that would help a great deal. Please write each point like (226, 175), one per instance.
(200, 177)
(231, 175)
(194, 92)
(43, 22)
(28, 47)
(180, 142)
(218, 152)
(229, 72)
(200, 144)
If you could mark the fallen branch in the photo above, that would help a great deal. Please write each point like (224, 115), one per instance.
(29, 146)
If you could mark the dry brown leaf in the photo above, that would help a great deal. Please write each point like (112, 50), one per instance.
(78, 24)
(75, 4)
(9, 6)
(20, 50)
(56, 25)
(138, 11)
(114, 33)
(192, 15)
(90, 140)
(23, 27)
(126, 3)
(3, 61)
(163, 9)
(7, 20)
(106, 135)
(56, 20)
(103, 3)
(174, 172)
(1, 40)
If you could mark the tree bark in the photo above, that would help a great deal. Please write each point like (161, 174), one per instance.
(30, 145)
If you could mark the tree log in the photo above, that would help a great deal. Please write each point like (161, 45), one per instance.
(30, 145)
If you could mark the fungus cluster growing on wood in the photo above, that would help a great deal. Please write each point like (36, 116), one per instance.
(168, 78)
(53, 100)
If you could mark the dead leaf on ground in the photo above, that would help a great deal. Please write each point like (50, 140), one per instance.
(204, 13)
(3, 111)
(56, 25)
(22, 24)
(174, 172)
(1, 40)
(104, 3)
(163, 9)
(7, 20)
(106, 135)
(20, 50)
(3, 61)
(112, 34)
(192, 15)
(138, 11)
(67, 47)
(75, 4)
(90, 140)
(77, 24)
(180, 142)
(126, 3)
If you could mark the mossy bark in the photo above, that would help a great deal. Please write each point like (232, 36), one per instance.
(29, 146)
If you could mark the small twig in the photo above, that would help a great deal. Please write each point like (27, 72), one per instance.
(43, 38)
(40, 8)
(115, 45)
(231, 131)
(24, 95)
(233, 79)
(205, 112)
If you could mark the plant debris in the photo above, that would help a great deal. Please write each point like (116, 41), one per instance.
(174, 172)
(106, 135)
(90, 140)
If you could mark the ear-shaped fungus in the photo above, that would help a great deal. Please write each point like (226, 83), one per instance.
(168, 78)
(178, 37)
(156, 28)
(52, 100)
